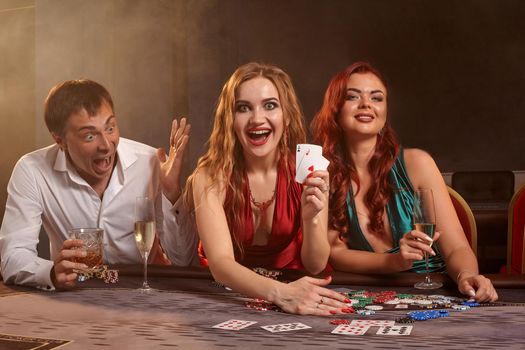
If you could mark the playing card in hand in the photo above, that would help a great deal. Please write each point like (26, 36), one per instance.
(308, 158)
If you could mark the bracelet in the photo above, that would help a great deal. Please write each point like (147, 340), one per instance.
(461, 272)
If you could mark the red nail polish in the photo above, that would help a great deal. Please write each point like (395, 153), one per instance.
(310, 175)
(347, 300)
(333, 312)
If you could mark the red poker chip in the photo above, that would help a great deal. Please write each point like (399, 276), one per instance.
(338, 322)
(348, 310)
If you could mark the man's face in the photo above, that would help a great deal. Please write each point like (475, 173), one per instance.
(91, 144)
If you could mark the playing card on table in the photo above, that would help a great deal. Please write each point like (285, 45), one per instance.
(234, 325)
(285, 327)
(350, 330)
(308, 158)
(372, 323)
(395, 330)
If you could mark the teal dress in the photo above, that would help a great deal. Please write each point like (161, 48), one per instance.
(399, 211)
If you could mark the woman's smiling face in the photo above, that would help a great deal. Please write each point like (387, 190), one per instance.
(365, 109)
(258, 119)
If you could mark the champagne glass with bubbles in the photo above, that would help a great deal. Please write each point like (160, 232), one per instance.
(424, 215)
(145, 229)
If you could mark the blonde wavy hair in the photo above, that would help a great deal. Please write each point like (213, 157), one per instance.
(224, 160)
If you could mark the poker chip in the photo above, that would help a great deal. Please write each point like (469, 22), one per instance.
(460, 307)
(365, 312)
(110, 276)
(404, 296)
(352, 302)
(82, 278)
(261, 305)
(393, 302)
(436, 296)
(443, 313)
(407, 301)
(374, 307)
(406, 319)
(339, 322)
(471, 303)
(426, 315)
(101, 272)
(268, 273)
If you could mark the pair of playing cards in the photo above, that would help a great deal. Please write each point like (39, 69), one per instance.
(235, 325)
(359, 327)
(308, 158)
(361, 330)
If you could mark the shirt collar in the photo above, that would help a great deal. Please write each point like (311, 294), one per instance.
(125, 158)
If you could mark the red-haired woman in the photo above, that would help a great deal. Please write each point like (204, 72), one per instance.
(249, 210)
(372, 184)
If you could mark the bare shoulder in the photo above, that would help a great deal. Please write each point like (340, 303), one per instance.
(415, 157)
(201, 178)
(421, 168)
(204, 183)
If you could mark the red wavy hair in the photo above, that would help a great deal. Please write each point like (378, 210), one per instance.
(327, 132)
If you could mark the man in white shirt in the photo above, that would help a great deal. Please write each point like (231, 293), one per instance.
(89, 178)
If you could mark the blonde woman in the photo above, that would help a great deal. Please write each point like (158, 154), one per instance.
(249, 210)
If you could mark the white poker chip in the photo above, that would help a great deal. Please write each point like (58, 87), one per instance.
(461, 307)
(365, 312)
(407, 301)
(437, 296)
(393, 302)
(374, 307)
(424, 302)
(352, 302)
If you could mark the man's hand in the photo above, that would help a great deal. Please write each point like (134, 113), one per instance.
(64, 271)
(171, 165)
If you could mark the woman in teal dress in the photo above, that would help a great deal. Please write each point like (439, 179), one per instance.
(372, 184)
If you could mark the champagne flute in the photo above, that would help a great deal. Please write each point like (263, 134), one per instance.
(144, 233)
(424, 214)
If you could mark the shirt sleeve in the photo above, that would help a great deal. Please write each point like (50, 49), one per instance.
(179, 238)
(20, 231)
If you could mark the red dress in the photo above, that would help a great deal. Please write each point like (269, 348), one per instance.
(283, 250)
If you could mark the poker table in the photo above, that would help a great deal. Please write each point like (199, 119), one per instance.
(187, 303)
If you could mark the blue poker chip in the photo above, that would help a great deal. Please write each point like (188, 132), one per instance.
(427, 315)
(418, 315)
(471, 303)
(443, 313)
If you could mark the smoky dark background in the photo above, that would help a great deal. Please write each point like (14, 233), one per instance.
(454, 67)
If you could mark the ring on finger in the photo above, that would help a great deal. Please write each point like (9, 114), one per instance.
(322, 300)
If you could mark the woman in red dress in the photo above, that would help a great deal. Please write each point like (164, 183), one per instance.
(249, 210)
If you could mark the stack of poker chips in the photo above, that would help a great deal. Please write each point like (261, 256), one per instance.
(102, 272)
(267, 273)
